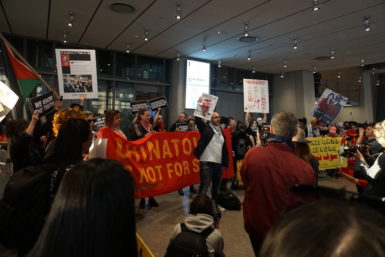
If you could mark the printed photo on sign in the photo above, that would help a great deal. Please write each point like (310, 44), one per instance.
(329, 105)
(77, 83)
(256, 96)
(159, 102)
(77, 73)
(206, 106)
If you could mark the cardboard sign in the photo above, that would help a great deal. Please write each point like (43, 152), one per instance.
(135, 106)
(43, 104)
(326, 151)
(159, 102)
(329, 105)
(8, 100)
(100, 121)
(182, 126)
(206, 106)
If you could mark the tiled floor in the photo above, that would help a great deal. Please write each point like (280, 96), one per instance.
(156, 225)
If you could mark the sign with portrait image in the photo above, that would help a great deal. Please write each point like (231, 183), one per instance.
(206, 106)
(329, 105)
(76, 69)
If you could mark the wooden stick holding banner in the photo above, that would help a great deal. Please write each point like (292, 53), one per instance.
(39, 77)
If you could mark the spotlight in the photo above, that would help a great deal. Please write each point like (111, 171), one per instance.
(362, 62)
(378, 83)
(373, 71)
(249, 57)
(178, 56)
(219, 64)
(204, 49)
(146, 35)
(282, 75)
(295, 44)
(316, 5)
(285, 63)
(359, 79)
(65, 36)
(246, 30)
(71, 19)
(253, 71)
(367, 24)
(332, 54)
(314, 69)
(178, 12)
(339, 75)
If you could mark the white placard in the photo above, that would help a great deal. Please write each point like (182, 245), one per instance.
(197, 82)
(8, 100)
(256, 95)
(206, 106)
(76, 69)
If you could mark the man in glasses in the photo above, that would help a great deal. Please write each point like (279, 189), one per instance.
(212, 153)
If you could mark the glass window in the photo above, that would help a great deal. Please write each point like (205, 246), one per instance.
(125, 65)
(150, 69)
(52, 82)
(124, 94)
(98, 106)
(104, 60)
(45, 56)
(239, 76)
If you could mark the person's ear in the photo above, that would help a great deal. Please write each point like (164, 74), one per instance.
(271, 130)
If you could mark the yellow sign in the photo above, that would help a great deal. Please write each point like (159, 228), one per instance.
(326, 151)
(143, 250)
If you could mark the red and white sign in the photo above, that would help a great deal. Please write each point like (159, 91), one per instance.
(256, 95)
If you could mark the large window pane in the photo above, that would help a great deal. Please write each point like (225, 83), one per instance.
(150, 69)
(104, 60)
(45, 56)
(125, 65)
(124, 94)
(100, 105)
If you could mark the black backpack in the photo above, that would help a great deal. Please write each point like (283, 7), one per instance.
(189, 243)
(229, 201)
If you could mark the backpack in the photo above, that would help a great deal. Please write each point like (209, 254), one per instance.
(26, 203)
(189, 243)
(229, 201)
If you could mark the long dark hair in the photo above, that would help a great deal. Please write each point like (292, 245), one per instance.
(202, 204)
(69, 142)
(302, 150)
(93, 214)
(110, 116)
(141, 111)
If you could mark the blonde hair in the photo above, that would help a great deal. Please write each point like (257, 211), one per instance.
(63, 115)
(379, 131)
(284, 124)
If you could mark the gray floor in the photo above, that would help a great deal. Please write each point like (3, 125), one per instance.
(156, 225)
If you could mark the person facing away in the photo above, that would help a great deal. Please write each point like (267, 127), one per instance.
(31, 191)
(268, 173)
(327, 229)
(93, 214)
(201, 218)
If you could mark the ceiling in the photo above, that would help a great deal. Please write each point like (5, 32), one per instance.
(337, 25)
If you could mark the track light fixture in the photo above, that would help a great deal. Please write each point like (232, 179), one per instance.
(282, 75)
(65, 36)
(246, 30)
(285, 63)
(378, 83)
(178, 12)
(249, 58)
(332, 54)
(339, 75)
(316, 5)
(146, 35)
(71, 19)
(362, 62)
(127, 47)
(295, 44)
(204, 49)
(373, 70)
(359, 79)
(314, 69)
(253, 71)
(367, 24)
(178, 56)
(219, 64)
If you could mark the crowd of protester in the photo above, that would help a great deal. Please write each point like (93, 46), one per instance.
(59, 202)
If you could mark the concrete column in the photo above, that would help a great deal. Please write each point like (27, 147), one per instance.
(368, 100)
(177, 90)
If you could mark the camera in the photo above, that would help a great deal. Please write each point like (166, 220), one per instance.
(349, 151)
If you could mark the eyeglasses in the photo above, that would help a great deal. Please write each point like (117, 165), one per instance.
(91, 120)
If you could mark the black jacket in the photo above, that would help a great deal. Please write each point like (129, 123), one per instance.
(207, 134)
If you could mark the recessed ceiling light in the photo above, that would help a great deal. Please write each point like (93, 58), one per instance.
(122, 8)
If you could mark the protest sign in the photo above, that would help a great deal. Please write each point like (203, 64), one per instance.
(76, 70)
(182, 126)
(99, 121)
(162, 162)
(159, 102)
(326, 151)
(8, 100)
(256, 95)
(206, 106)
(135, 106)
(329, 106)
(43, 104)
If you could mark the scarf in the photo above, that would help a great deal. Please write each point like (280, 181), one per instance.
(146, 125)
(281, 139)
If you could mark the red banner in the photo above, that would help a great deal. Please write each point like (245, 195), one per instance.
(162, 162)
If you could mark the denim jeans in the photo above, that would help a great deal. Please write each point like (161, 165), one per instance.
(210, 172)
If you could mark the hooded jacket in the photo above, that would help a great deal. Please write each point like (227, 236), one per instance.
(198, 223)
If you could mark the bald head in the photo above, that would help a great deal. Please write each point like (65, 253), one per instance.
(215, 118)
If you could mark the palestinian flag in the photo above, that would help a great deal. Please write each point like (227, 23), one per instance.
(25, 77)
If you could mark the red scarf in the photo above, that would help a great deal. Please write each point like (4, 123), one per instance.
(146, 125)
